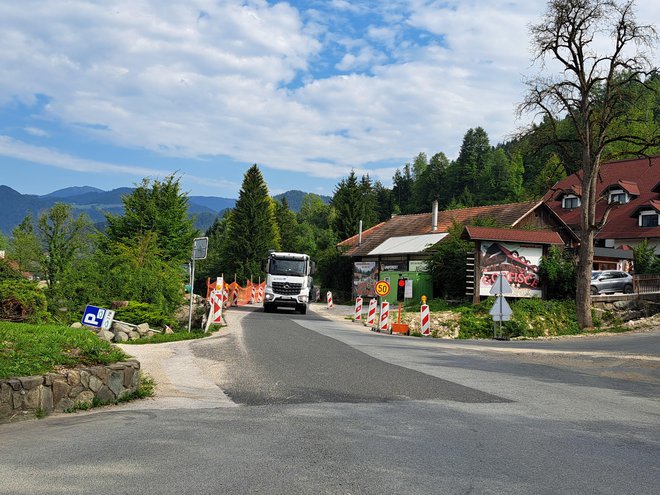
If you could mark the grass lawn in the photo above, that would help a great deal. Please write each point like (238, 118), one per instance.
(27, 349)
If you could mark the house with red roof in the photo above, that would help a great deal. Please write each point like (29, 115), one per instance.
(628, 196)
(399, 246)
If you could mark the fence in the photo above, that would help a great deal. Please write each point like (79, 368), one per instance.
(644, 284)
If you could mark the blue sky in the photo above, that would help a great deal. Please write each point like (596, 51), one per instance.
(104, 93)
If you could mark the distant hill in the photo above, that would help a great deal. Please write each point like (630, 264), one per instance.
(295, 198)
(67, 192)
(14, 206)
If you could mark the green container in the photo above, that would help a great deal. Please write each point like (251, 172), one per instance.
(422, 285)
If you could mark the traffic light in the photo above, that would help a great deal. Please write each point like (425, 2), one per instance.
(401, 289)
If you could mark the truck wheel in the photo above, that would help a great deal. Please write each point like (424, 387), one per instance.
(268, 308)
(303, 309)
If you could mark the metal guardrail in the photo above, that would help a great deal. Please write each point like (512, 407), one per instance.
(644, 284)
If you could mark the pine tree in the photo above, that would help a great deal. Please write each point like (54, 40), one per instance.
(347, 204)
(159, 208)
(288, 226)
(252, 228)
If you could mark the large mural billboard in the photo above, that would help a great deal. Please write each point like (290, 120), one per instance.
(519, 263)
(365, 276)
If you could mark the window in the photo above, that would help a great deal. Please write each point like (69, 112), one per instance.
(618, 196)
(648, 219)
(570, 202)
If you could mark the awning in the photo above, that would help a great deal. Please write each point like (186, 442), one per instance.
(407, 244)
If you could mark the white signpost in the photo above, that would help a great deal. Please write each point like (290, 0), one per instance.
(199, 251)
(501, 311)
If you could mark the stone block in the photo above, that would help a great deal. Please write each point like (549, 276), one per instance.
(75, 391)
(150, 333)
(77, 324)
(168, 330)
(46, 400)
(84, 378)
(32, 399)
(142, 328)
(73, 378)
(30, 382)
(15, 384)
(60, 389)
(86, 397)
(95, 383)
(121, 327)
(106, 335)
(134, 336)
(5, 393)
(116, 382)
(17, 399)
(120, 337)
(129, 372)
(101, 372)
(65, 403)
(105, 394)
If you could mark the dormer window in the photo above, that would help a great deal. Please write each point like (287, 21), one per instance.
(570, 201)
(618, 196)
(648, 219)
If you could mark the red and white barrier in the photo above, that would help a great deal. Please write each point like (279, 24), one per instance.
(253, 294)
(384, 325)
(329, 297)
(234, 296)
(358, 308)
(225, 296)
(215, 313)
(425, 320)
(371, 314)
(260, 294)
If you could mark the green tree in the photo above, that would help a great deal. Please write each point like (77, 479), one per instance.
(348, 206)
(160, 208)
(252, 228)
(24, 247)
(62, 237)
(598, 45)
(645, 259)
(557, 271)
(431, 184)
(448, 264)
(402, 190)
(384, 202)
(287, 225)
(471, 171)
(507, 177)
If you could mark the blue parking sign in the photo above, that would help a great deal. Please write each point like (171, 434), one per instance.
(97, 317)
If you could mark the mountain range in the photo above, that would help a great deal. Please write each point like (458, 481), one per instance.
(14, 206)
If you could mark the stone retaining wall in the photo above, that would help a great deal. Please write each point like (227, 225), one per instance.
(32, 396)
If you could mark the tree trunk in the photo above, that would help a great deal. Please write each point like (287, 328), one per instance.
(586, 249)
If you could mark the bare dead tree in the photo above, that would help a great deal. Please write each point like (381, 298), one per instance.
(600, 53)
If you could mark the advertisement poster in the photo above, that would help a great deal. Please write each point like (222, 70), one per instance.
(365, 276)
(519, 263)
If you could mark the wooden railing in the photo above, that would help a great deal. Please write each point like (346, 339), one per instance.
(644, 284)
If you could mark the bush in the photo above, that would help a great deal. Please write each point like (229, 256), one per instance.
(559, 274)
(137, 312)
(531, 318)
(7, 272)
(22, 301)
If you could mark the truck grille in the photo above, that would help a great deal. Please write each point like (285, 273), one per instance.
(286, 288)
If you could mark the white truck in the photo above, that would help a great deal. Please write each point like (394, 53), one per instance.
(288, 281)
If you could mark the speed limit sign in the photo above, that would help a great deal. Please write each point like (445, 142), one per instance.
(382, 288)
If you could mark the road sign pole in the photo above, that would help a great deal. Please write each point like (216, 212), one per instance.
(192, 292)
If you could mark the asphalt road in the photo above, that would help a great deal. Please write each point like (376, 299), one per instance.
(284, 403)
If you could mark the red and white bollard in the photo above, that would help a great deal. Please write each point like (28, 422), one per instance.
(371, 315)
(253, 294)
(234, 297)
(384, 325)
(329, 297)
(425, 320)
(358, 308)
(260, 294)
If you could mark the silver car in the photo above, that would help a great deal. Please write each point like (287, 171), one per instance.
(611, 281)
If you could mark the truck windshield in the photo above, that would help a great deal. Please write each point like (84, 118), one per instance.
(287, 267)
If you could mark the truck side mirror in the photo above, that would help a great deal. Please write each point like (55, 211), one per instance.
(312, 267)
(264, 266)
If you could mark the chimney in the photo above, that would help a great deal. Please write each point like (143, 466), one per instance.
(360, 234)
(434, 216)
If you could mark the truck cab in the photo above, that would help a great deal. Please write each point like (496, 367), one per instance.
(288, 281)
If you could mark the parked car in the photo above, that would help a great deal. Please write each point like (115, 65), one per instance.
(611, 281)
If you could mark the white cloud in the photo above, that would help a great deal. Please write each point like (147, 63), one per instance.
(248, 79)
(35, 131)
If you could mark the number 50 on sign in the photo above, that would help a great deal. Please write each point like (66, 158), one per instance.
(382, 288)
